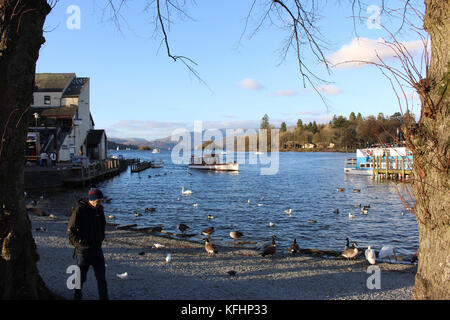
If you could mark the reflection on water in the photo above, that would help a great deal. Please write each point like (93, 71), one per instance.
(306, 183)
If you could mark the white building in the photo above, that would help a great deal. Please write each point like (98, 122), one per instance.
(62, 117)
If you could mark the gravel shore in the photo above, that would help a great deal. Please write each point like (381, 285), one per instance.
(194, 275)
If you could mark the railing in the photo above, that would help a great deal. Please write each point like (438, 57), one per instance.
(391, 167)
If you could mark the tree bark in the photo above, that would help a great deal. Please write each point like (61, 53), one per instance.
(430, 143)
(21, 36)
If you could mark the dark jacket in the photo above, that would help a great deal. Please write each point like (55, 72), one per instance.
(86, 228)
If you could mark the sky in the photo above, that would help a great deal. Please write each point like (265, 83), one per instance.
(137, 91)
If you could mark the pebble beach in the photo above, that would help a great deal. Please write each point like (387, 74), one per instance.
(193, 274)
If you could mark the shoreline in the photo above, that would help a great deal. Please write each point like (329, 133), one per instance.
(194, 275)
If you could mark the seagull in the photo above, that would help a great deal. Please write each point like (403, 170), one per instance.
(260, 204)
(209, 247)
(370, 255)
(182, 227)
(351, 216)
(289, 211)
(122, 276)
(248, 201)
(208, 231)
(351, 253)
(387, 252)
(236, 234)
(185, 192)
(195, 205)
(111, 216)
(270, 249)
(158, 245)
(271, 224)
(169, 258)
(294, 247)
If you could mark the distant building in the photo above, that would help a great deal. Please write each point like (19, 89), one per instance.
(62, 119)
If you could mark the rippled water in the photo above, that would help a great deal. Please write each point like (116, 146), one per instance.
(306, 182)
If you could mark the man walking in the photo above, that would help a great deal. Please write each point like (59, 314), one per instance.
(86, 231)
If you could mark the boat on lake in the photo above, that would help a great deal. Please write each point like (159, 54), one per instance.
(397, 158)
(156, 150)
(212, 162)
(158, 163)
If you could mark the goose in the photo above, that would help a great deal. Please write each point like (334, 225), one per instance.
(209, 247)
(351, 216)
(294, 247)
(169, 258)
(208, 231)
(270, 249)
(351, 253)
(387, 252)
(186, 192)
(122, 276)
(347, 245)
(370, 255)
(289, 211)
(182, 227)
(236, 234)
(336, 211)
(271, 224)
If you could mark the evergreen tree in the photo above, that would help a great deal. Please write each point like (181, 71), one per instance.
(283, 127)
(265, 122)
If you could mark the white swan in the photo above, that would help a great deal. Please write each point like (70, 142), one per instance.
(370, 255)
(387, 252)
(185, 192)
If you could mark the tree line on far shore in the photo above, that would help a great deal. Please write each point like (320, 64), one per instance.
(341, 133)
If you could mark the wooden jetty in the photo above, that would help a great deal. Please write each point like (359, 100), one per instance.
(398, 168)
(140, 166)
(94, 172)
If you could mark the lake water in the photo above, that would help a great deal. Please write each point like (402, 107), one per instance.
(306, 182)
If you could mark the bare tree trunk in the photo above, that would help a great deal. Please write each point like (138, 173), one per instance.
(430, 143)
(21, 36)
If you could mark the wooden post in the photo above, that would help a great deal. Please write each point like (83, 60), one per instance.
(403, 168)
(373, 167)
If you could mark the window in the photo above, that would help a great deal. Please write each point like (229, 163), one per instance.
(47, 100)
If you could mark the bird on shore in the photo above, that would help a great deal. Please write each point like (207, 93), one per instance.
(209, 247)
(236, 234)
(182, 227)
(351, 253)
(208, 231)
(270, 250)
(289, 211)
(294, 247)
(185, 192)
(232, 273)
(387, 252)
(347, 245)
(169, 258)
(158, 245)
(370, 255)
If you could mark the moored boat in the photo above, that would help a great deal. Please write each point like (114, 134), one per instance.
(212, 162)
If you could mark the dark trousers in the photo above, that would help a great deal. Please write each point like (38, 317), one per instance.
(94, 258)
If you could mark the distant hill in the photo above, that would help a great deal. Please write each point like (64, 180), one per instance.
(135, 143)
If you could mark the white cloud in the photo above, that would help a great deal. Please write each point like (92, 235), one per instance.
(329, 89)
(286, 93)
(366, 50)
(250, 84)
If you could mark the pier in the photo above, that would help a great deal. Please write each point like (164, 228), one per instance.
(96, 171)
(140, 166)
(397, 168)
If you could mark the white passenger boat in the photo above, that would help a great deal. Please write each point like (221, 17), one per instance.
(156, 150)
(212, 162)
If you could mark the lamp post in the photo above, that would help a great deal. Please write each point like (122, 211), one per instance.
(36, 117)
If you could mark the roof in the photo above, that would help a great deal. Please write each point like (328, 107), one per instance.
(59, 112)
(75, 87)
(95, 137)
(53, 82)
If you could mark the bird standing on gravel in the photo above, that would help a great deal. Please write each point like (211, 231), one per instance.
(182, 227)
(351, 253)
(270, 250)
(209, 247)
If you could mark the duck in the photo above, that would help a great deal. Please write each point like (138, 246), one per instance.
(248, 201)
(209, 247)
(270, 250)
(210, 216)
(186, 192)
(137, 214)
(312, 221)
(150, 209)
(208, 231)
(364, 211)
(387, 252)
(356, 190)
(262, 198)
(351, 253)
(340, 189)
(357, 205)
(111, 216)
(336, 211)
(236, 234)
(294, 247)
(289, 211)
(370, 255)
(182, 227)
(351, 216)
(195, 205)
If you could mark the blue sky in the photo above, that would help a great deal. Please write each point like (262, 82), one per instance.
(137, 91)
